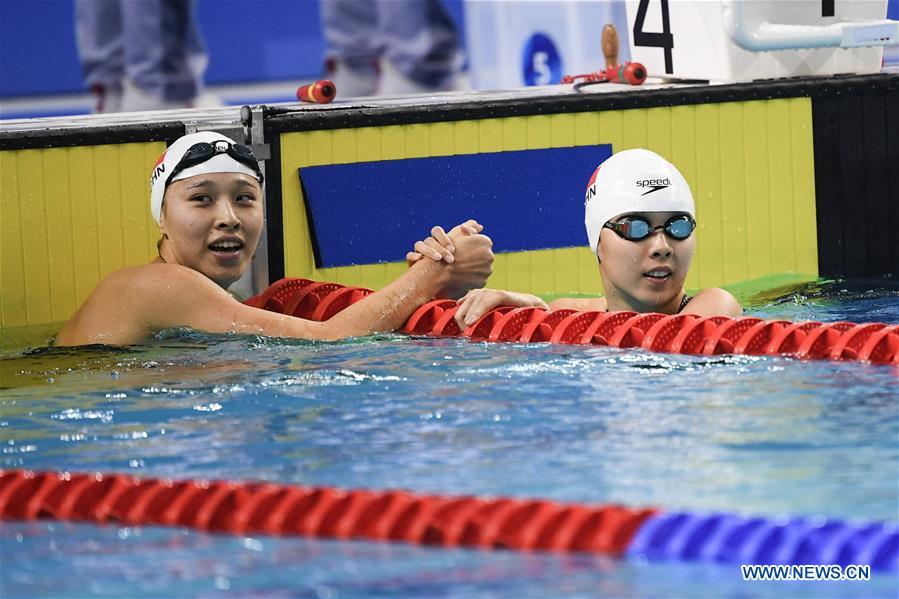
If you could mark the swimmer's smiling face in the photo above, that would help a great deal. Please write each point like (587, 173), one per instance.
(212, 224)
(646, 275)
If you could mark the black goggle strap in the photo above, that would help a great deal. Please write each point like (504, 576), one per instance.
(244, 154)
(203, 151)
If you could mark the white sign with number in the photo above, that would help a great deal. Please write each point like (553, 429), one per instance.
(536, 42)
(741, 40)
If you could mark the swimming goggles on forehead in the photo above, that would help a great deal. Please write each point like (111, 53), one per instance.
(203, 151)
(637, 228)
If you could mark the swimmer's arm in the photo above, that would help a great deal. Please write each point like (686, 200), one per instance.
(581, 304)
(714, 302)
(390, 307)
(202, 305)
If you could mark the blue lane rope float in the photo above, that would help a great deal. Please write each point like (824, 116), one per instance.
(794, 541)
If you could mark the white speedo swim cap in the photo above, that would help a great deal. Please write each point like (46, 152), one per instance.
(633, 181)
(220, 163)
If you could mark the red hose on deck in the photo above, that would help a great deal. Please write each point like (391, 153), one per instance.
(876, 343)
(266, 508)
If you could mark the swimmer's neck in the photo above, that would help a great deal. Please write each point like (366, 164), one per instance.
(618, 302)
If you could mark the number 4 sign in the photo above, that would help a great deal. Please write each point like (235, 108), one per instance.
(741, 40)
(663, 40)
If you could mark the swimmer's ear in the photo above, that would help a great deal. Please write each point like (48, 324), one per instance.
(162, 220)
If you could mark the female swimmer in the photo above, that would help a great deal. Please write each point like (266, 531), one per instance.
(206, 195)
(640, 219)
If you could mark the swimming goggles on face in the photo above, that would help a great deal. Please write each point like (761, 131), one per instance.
(203, 151)
(637, 228)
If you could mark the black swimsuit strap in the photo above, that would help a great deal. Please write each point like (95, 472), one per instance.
(683, 303)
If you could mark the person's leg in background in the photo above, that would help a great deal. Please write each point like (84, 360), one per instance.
(350, 29)
(164, 55)
(422, 50)
(98, 32)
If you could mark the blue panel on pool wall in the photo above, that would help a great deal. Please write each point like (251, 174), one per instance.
(369, 212)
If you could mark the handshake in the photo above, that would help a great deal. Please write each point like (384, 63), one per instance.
(468, 257)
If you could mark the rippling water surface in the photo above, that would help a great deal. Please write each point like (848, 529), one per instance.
(764, 436)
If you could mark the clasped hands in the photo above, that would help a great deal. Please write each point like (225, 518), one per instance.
(468, 253)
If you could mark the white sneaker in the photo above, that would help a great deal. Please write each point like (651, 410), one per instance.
(351, 83)
(395, 83)
(207, 99)
(134, 99)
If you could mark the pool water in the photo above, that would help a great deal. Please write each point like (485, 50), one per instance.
(751, 435)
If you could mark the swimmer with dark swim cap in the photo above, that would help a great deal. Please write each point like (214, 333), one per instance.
(206, 195)
(640, 218)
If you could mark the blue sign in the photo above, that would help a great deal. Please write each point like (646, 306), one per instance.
(368, 212)
(542, 63)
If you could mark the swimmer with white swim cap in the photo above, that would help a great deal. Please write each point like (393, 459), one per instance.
(640, 221)
(206, 194)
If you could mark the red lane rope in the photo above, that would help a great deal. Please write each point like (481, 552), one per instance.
(876, 343)
(266, 508)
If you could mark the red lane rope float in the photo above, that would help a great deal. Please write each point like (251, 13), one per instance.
(573, 327)
(276, 294)
(877, 343)
(424, 319)
(849, 344)
(757, 337)
(790, 338)
(662, 334)
(500, 523)
(630, 333)
(604, 327)
(691, 337)
(241, 508)
(542, 330)
(881, 345)
(513, 323)
(303, 302)
(722, 340)
(446, 325)
(480, 330)
(819, 341)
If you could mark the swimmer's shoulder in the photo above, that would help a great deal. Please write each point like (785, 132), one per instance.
(149, 282)
(162, 276)
(713, 301)
(107, 316)
(581, 304)
(131, 303)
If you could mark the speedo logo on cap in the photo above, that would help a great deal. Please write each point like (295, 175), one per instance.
(653, 184)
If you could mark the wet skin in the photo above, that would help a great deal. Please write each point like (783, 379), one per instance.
(646, 275)
(640, 276)
(212, 224)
